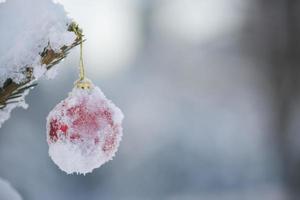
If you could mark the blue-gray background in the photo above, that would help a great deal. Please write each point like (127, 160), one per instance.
(209, 93)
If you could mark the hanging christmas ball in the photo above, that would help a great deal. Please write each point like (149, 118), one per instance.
(84, 130)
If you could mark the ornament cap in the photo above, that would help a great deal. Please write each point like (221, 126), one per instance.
(84, 84)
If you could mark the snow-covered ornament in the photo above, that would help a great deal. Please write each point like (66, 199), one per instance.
(85, 129)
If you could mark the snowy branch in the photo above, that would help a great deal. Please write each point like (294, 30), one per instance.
(11, 90)
(32, 44)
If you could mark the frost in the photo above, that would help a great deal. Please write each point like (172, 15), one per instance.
(51, 73)
(84, 131)
(39, 71)
(7, 192)
(27, 27)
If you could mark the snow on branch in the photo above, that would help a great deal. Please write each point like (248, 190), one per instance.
(35, 36)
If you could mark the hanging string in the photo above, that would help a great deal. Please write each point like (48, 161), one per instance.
(78, 33)
(82, 82)
(82, 73)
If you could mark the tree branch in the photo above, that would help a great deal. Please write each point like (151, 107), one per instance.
(11, 90)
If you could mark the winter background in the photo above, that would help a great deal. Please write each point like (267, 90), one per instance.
(210, 93)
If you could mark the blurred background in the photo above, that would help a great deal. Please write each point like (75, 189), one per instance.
(210, 93)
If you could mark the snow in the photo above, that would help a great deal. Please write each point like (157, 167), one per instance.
(27, 27)
(39, 70)
(7, 192)
(52, 72)
(84, 131)
(26, 34)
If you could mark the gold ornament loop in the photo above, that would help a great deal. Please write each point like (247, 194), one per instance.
(82, 82)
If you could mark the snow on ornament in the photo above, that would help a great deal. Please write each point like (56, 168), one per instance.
(85, 129)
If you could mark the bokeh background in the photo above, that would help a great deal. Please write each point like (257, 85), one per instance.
(210, 92)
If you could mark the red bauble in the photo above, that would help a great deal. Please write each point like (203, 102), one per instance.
(84, 131)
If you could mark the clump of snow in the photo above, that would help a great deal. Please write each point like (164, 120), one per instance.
(39, 71)
(7, 192)
(84, 131)
(27, 27)
(32, 26)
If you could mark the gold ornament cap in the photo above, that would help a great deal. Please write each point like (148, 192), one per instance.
(84, 84)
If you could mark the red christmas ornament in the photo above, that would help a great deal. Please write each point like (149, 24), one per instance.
(84, 130)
